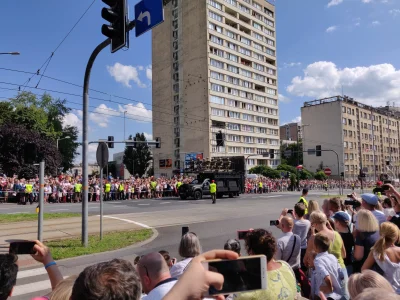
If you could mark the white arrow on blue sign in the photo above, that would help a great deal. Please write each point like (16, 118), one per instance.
(148, 14)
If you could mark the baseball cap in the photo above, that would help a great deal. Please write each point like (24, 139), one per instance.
(370, 199)
(341, 216)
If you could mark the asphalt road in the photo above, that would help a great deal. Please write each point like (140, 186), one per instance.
(217, 224)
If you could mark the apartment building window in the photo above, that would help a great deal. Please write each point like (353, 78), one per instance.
(247, 117)
(261, 141)
(233, 69)
(273, 142)
(344, 109)
(256, 5)
(245, 51)
(258, 46)
(271, 91)
(344, 132)
(344, 121)
(260, 109)
(261, 130)
(352, 168)
(234, 150)
(270, 52)
(270, 42)
(232, 46)
(258, 67)
(215, 16)
(214, 27)
(244, 8)
(246, 73)
(246, 84)
(351, 156)
(346, 168)
(234, 115)
(269, 32)
(258, 36)
(216, 51)
(245, 41)
(259, 98)
(231, 2)
(215, 4)
(232, 80)
(351, 145)
(248, 140)
(217, 88)
(216, 149)
(233, 103)
(233, 138)
(217, 63)
(217, 100)
(257, 26)
(349, 111)
(270, 71)
(247, 128)
(259, 77)
(344, 144)
(261, 120)
(216, 40)
(258, 56)
(216, 75)
(217, 112)
(269, 22)
(350, 122)
(248, 150)
(232, 57)
(346, 157)
(231, 34)
(250, 162)
(272, 101)
(233, 126)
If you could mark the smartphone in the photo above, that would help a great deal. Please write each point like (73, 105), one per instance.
(25, 247)
(242, 234)
(185, 229)
(290, 211)
(385, 187)
(274, 223)
(350, 196)
(240, 275)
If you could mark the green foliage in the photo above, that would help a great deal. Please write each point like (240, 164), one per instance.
(320, 175)
(140, 158)
(292, 159)
(287, 168)
(265, 171)
(292, 180)
(305, 174)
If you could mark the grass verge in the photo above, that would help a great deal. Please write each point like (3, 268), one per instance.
(332, 196)
(22, 217)
(111, 241)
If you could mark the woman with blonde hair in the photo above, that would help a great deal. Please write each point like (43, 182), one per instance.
(312, 206)
(367, 279)
(320, 223)
(386, 254)
(366, 235)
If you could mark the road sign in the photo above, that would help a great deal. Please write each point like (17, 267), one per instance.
(328, 172)
(148, 14)
(299, 167)
(102, 155)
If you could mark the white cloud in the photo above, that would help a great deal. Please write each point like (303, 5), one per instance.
(357, 24)
(375, 23)
(366, 1)
(395, 12)
(373, 85)
(136, 112)
(331, 29)
(291, 64)
(140, 68)
(296, 120)
(149, 72)
(125, 74)
(73, 119)
(102, 114)
(334, 2)
(283, 98)
(148, 136)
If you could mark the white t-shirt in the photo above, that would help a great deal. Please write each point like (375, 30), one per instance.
(160, 291)
(178, 268)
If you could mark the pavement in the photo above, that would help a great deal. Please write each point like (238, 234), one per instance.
(214, 224)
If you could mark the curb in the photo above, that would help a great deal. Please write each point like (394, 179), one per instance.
(141, 244)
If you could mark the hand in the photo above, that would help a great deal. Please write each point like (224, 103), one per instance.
(42, 254)
(196, 281)
(284, 212)
(355, 197)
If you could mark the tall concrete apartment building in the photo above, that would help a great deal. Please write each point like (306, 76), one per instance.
(365, 137)
(290, 131)
(214, 69)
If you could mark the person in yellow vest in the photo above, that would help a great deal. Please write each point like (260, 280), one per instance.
(326, 186)
(28, 192)
(260, 187)
(107, 190)
(153, 185)
(133, 192)
(304, 200)
(78, 190)
(178, 185)
(121, 191)
(213, 191)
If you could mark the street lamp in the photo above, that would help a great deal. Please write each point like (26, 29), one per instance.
(65, 138)
(10, 53)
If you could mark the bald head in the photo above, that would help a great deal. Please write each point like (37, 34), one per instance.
(152, 269)
(287, 224)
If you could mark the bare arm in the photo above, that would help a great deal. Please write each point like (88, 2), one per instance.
(343, 251)
(308, 259)
(329, 287)
(369, 262)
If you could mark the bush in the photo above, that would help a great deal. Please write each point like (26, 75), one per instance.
(320, 176)
(265, 171)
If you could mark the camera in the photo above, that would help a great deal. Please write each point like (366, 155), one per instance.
(353, 203)
(274, 223)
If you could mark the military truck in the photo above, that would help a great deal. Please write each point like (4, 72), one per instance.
(228, 184)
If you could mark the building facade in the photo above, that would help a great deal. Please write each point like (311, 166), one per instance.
(365, 138)
(290, 131)
(214, 69)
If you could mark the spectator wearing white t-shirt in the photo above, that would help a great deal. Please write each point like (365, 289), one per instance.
(189, 247)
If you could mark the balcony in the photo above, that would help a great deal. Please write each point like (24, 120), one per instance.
(245, 30)
(231, 23)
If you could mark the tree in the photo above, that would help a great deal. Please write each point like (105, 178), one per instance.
(320, 175)
(68, 147)
(292, 159)
(139, 158)
(14, 140)
(265, 171)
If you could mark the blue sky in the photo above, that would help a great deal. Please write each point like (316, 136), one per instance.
(323, 45)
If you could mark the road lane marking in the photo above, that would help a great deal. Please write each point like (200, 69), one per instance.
(30, 273)
(200, 200)
(165, 202)
(128, 221)
(32, 287)
(183, 201)
(274, 196)
(144, 204)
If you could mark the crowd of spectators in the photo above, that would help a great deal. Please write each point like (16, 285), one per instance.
(338, 252)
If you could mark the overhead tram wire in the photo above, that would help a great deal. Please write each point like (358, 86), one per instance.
(55, 50)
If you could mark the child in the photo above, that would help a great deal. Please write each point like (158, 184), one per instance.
(327, 275)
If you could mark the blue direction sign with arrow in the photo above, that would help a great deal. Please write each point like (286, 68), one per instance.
(148, 14)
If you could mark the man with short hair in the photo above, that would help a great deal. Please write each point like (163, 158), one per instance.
(289, 244)
(8, 275)
(303, 199)
(155, 276)
(112, 280)
(301, 228)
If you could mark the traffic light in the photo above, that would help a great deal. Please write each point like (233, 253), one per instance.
(158, 143)
(110, 143)
(271, 153)
(220, 139)
(117, 16)
(318, 151)
(342, 174)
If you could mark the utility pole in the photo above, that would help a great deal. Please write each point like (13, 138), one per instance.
(124, 125)
(41, 201)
